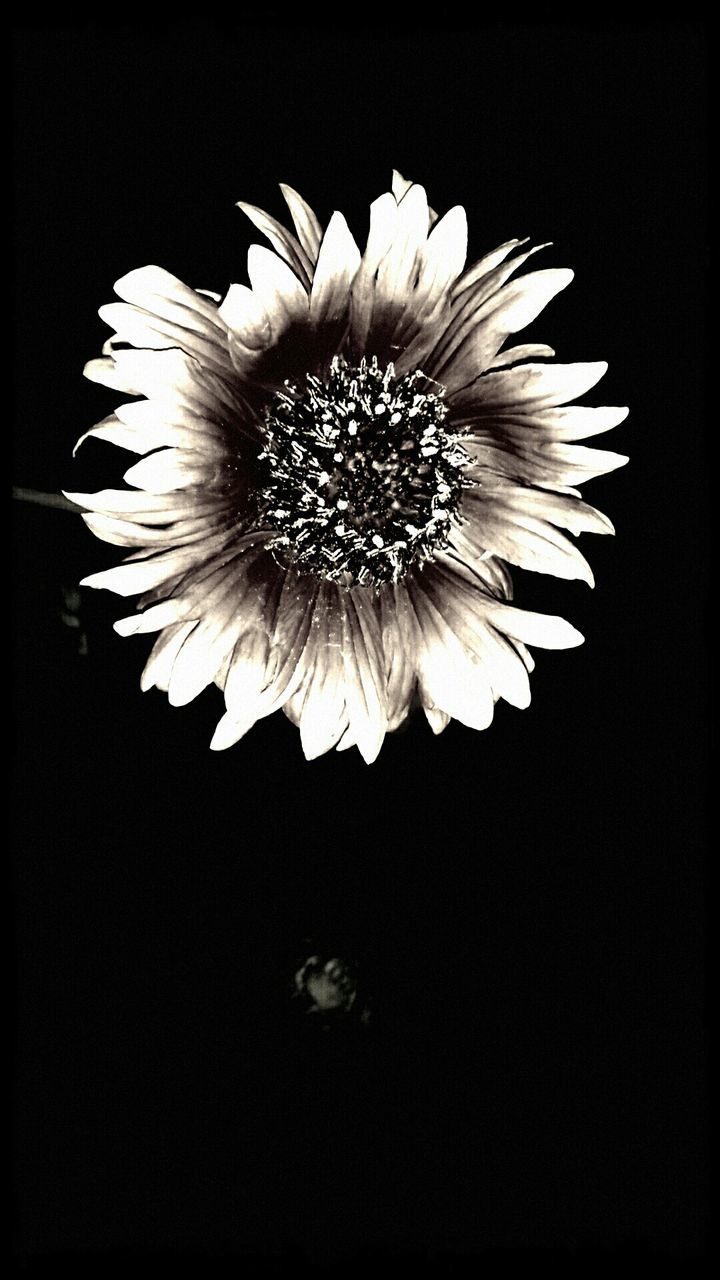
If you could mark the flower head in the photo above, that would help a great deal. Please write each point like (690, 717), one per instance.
(339, 462)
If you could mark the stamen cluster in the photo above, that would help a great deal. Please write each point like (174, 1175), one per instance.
(359, 475)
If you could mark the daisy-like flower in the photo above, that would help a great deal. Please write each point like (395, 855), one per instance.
(339, 463)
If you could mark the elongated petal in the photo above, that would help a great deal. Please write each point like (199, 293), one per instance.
(481, 270)
(203, 652)
(383, 221)
(399, 648)
(277, 287)
(536, 461)
(307, 226)
(162, 294)
(171, 469)
(529, 386)
(246, 318)
(322, 716)
(449, 678)
(336, 268)
(365, 695)
(526, 351)
(158, 668)
(463, 608)
(574, 422)
(285, 244)
(143, 329)
(526, 541)
(507, 311)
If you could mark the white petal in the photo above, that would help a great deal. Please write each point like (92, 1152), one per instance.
(521, 455)
(160, 616)
(171, 469)
(383, 222)
(346, 741)
(466, 306)
(322, 715)
(365, 696)
(142, 329)
(530, 386)
(108, 373)
(141, 575)
(481, 270)
(156, 374)
(148, 508)
(399, 266)
(399, 659)
(524, 540)
(282, 241)
(202, 655)
(574, 422)
(444, 254)
(284, 622)
(230, 729)
(307, 226)
(449, 679)
(277, 287)
(161, 293)
(127, 533)
(428, 315)
(437, 719)
(159, 665)
(400, 185)
(507, 311)
(527, 351)
(246, 673)
(546, 631)
(337, 266)
(464, 609)
(144, 425)
(245, 317)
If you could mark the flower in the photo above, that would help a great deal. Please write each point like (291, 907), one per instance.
(339, 463)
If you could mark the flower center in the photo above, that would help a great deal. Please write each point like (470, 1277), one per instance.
(360, 476)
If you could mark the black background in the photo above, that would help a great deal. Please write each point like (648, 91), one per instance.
(525, 905)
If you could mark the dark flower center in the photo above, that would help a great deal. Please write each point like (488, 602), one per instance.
(360, 477)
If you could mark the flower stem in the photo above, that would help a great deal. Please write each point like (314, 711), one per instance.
(43, 499)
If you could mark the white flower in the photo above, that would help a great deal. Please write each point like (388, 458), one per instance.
(339, 462)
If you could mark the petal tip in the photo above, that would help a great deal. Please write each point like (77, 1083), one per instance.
(127, 626)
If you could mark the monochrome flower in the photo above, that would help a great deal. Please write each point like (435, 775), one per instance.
(339, 462)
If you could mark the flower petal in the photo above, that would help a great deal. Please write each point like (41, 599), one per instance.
(441, 261)
(336, 268)
(448, 676)
(527, 351)
(143, 329)
(277, 288)
(536, 461)
(158, 668)
(482, 269)
(163, 295)
(322, 715)
(465, 306)
(463, 608)
(383, 222)
(285, 244)
(171, 469)
(398, 646)
(512, 525)
(529, 386)
(246, 319)
(574, 422)
(365, 695)
(307, 226)
(507, 311)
